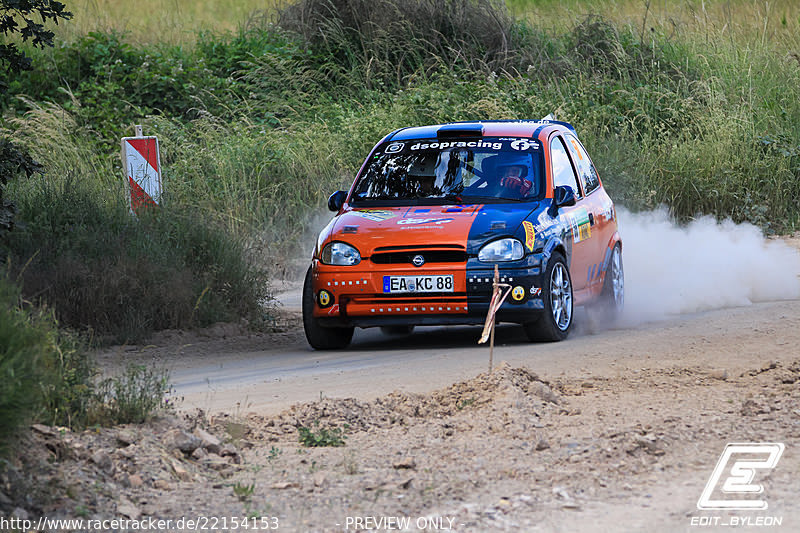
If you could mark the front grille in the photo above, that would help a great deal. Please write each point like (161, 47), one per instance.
(431, 256)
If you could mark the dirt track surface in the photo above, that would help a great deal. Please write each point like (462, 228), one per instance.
(615, 430)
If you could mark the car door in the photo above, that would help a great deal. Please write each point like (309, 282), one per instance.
(575, 218)
(597, 203)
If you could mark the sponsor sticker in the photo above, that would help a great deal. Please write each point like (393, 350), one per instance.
(395, 147)
(420, 221)
(457, 144)
(324, 298)
(578, 221)
(536, 291)
(376, 215)
(518, 293)
(530, 234)
(522, 144)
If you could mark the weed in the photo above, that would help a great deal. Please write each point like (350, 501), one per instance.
(466, 402)
(350, 463)
(321, 436)
(133, 396)
(274, 453)
(244, 492)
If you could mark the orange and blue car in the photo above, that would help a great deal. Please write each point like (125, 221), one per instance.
(431, 212)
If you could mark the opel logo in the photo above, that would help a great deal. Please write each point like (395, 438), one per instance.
(418, 260)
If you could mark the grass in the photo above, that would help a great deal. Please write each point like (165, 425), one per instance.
(133, 396)
(159, 21)
(244, 492)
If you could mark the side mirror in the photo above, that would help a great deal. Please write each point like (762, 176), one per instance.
(563, 196)
(336, 200)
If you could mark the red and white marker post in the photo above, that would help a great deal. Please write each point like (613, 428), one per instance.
(142, 164)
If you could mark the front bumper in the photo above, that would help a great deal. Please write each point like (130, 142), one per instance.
(353, 296)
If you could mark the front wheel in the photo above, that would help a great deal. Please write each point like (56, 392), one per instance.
(318, 336)
(556, 321)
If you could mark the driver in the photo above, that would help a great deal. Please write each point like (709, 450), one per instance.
(513, 182)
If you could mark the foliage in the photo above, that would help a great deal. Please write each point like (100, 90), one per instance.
(319, 437)
(132, 397)
(383, 41)
(12, 12)
(48, 376)
(68, 389)
(26, 342)
(243, 491)
(122, 277)
(13, 161)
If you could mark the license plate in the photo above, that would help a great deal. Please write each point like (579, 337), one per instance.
(401, 284)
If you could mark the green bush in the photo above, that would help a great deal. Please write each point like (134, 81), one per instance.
(121, 277)
(379, 42)
(48, 376)
(25, 343)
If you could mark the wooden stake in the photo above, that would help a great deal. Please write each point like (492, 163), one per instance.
(499, 293)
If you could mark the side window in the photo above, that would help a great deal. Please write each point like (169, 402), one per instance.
(562, 169)
(586, 170)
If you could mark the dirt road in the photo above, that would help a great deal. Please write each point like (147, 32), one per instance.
(614, 430)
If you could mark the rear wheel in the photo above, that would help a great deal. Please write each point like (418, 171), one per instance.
(614, 284)
(612, 298)
(556, 321)
(318, 336)
(397, 331)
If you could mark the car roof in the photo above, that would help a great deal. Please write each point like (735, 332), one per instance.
(494, 128)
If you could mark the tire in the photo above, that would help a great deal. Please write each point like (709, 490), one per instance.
(609, 304)
(397, 331)
(612, 298)
(556, 321)
(318, 336)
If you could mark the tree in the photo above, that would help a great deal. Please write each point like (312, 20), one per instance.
(17, 17)
(13, 13)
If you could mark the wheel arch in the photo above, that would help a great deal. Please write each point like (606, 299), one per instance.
(612, 243)
(553, 245)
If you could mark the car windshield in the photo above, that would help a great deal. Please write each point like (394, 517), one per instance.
(428, 171)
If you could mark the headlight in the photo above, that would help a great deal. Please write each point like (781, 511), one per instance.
(502, 250)
(339, 253)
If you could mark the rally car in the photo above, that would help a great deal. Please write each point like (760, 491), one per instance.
(431, 212)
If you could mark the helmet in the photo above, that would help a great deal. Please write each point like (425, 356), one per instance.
(510, 171)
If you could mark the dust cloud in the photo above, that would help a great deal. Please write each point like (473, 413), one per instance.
(674, 269)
